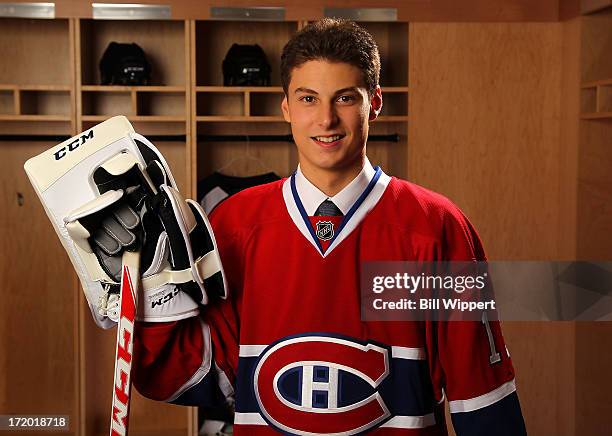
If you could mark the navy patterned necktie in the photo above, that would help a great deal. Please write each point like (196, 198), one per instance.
(328, 208)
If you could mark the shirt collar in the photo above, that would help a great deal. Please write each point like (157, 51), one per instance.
(312, 197)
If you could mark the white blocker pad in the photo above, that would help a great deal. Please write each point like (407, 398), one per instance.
(63, 179)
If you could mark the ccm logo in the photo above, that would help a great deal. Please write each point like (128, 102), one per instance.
(169, 296)
(123, 363)
(319, 385)
(73, 145)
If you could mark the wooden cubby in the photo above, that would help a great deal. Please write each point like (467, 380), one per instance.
(37, 90)
(7, 101)
(392, 41)
(596, 100)
(265, 102)
(45, 102)
(160, 108)
(596, 66)
(162, 41)
(395, 104)
(214, 38)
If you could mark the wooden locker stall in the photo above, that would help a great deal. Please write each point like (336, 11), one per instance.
(594, 212)
(61, 362)
(485, 130)
(39, 363)
(222, 111)
(512, 122)
(159, 111)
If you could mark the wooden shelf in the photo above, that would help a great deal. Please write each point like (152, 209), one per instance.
(250, 103)
(54, 88)
(596, 83)
(392, 118)
(238, 89)
(596, 116)
(139, 118)
(116, 88)
(63, 118)
(395, 89)
(279, 89)
(276, 119)
(243, 118)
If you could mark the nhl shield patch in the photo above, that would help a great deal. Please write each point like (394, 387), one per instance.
(325, 230)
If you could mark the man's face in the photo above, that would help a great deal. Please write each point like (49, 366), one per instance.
(329, 109)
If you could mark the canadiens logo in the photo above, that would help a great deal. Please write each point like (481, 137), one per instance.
(325, 230)
(331, 390)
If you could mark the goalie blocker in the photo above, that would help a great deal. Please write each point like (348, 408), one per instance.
(108, 190)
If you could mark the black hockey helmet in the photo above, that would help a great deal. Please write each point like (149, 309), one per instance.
(124, 64)
(246, 65)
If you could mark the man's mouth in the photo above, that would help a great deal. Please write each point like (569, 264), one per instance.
(328, 140)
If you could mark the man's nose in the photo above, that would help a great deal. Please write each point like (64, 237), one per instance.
(327, 116)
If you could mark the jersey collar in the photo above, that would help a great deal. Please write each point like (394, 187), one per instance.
(311, 197)
(363, 202)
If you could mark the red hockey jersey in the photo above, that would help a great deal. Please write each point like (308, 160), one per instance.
(289, 346)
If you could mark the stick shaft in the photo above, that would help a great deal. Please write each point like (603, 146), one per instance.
(125, 340)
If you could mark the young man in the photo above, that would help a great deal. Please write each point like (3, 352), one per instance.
(288, 346)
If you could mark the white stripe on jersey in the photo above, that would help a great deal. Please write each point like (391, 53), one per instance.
(249, 419)
(458, 406)
(251, 350)
(410, 421)
(396, 352)
(395, 422)
(408, 353)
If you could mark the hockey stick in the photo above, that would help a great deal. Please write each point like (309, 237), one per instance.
(130, 280)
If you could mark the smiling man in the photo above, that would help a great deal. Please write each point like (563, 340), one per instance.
(330, 120)
(288, 348)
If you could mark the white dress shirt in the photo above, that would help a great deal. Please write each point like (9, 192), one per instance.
(312, 197)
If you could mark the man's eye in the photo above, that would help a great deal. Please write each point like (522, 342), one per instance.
(346, 99)
(307, 99)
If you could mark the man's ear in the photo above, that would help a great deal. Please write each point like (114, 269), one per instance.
(376, 104)
(285, 109)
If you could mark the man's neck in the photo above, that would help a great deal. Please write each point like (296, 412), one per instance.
(330, 182)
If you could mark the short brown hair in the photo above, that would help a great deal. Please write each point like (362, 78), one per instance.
(334, 40)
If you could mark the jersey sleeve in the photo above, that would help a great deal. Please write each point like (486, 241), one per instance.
(193, 361)
(469, 362)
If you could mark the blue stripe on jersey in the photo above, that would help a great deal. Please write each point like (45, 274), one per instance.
(503, 418)
(407, 390)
